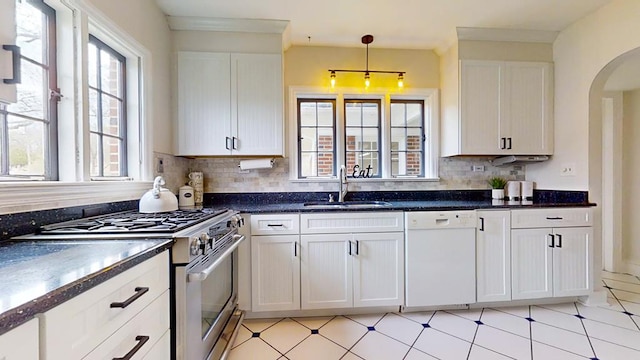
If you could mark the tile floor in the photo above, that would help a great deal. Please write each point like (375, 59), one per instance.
(563, 332)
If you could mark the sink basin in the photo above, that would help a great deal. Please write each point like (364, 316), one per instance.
(346, 204)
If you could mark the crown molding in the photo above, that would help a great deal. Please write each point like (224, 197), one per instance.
(229, 25)
(516, 35)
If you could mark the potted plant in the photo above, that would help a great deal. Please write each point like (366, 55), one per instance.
(497, 185)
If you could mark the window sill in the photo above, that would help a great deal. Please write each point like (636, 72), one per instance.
(43, 195)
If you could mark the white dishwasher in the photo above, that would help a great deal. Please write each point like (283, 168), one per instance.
(440, 250)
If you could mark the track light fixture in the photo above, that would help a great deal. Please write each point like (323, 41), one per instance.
(367, 39)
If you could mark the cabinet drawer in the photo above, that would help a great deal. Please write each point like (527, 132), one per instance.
(275, 224)
(144, 330)
(551, 217)
(20, 343)
(74, 328)
(351, 222)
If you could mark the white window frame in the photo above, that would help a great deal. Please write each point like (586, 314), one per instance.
(431, 127)
(75, 20)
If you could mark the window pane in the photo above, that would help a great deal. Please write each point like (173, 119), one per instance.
(31, 92)
(26, 147)
(93, 110)
(325, 114)
(29, 31)
(325, 164)
(93, 65)
(308, 164)
(354, 139)
(94, 142)
(308, 114)
(325, 139)
(353, 114)
(308, 142)
(110, 74)
(398, 114)
(370, 114)
(414, 115)
(110, 115)
(111, 156)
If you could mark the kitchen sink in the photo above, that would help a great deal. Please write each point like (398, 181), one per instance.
(345, 204)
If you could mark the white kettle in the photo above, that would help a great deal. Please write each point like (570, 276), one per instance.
(158, 199)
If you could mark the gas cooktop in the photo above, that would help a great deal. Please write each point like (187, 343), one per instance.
(132, 222)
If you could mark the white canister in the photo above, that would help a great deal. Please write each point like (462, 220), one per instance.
(513, 190)
(186, 197)
(526, 190)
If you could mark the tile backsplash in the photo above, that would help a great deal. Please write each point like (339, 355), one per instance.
(222, 175)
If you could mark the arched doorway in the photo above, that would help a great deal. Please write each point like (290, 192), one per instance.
(615, 167)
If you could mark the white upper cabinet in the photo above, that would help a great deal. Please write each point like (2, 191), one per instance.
(505, 108)
(7, 37)
(229, 104)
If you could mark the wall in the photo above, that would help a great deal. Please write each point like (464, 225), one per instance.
(631, 177)
(581, 51)
(307, 66)
(143, 20)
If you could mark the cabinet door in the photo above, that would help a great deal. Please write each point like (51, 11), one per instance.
(572, 261)
(378, 269)
(257, 95)
(204, 98)
(493, 257)
(7, 37)
(531, 263)
(275, 268)
(20, 343)
(480, 89)
(326, 271)
(526, 109)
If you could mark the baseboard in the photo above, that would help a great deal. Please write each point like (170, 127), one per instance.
(596, 298)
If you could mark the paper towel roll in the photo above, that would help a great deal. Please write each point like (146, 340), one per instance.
(256, 164)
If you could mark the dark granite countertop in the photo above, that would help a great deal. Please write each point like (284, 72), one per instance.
(39, 275)
(398, 201)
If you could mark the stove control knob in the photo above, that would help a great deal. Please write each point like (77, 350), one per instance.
(195, 246)
(206, 239)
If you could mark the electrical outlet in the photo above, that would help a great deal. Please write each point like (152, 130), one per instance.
(568, 169)
(477, 168)
(159, 165)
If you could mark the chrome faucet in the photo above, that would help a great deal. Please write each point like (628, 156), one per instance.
(344, 186)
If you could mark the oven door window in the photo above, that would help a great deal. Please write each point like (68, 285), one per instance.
(217, 290)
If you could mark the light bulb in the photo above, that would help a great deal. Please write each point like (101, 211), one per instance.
(333, 79)
(400, 80)
(367, 79)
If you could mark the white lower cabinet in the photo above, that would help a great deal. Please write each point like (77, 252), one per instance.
(551, 262)
(360, 268)
(127, 312)
(20, 343)
(275, 272)
(551, 253)
(493, 256)
(352, 270)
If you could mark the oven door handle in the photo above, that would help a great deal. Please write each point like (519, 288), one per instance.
(202, 275)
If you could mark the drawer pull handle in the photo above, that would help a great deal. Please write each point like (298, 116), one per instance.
(139, 292)
(275, 225)
(141, 339)
(554, 218)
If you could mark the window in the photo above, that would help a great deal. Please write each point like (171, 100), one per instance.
(107, 110)
(316, 138)
(407, 138)
(375, 135)
(28, 127)
(362, 138)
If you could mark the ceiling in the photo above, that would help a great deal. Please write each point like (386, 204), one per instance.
(409, 24)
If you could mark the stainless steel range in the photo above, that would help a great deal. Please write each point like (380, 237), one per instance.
(204, 266)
